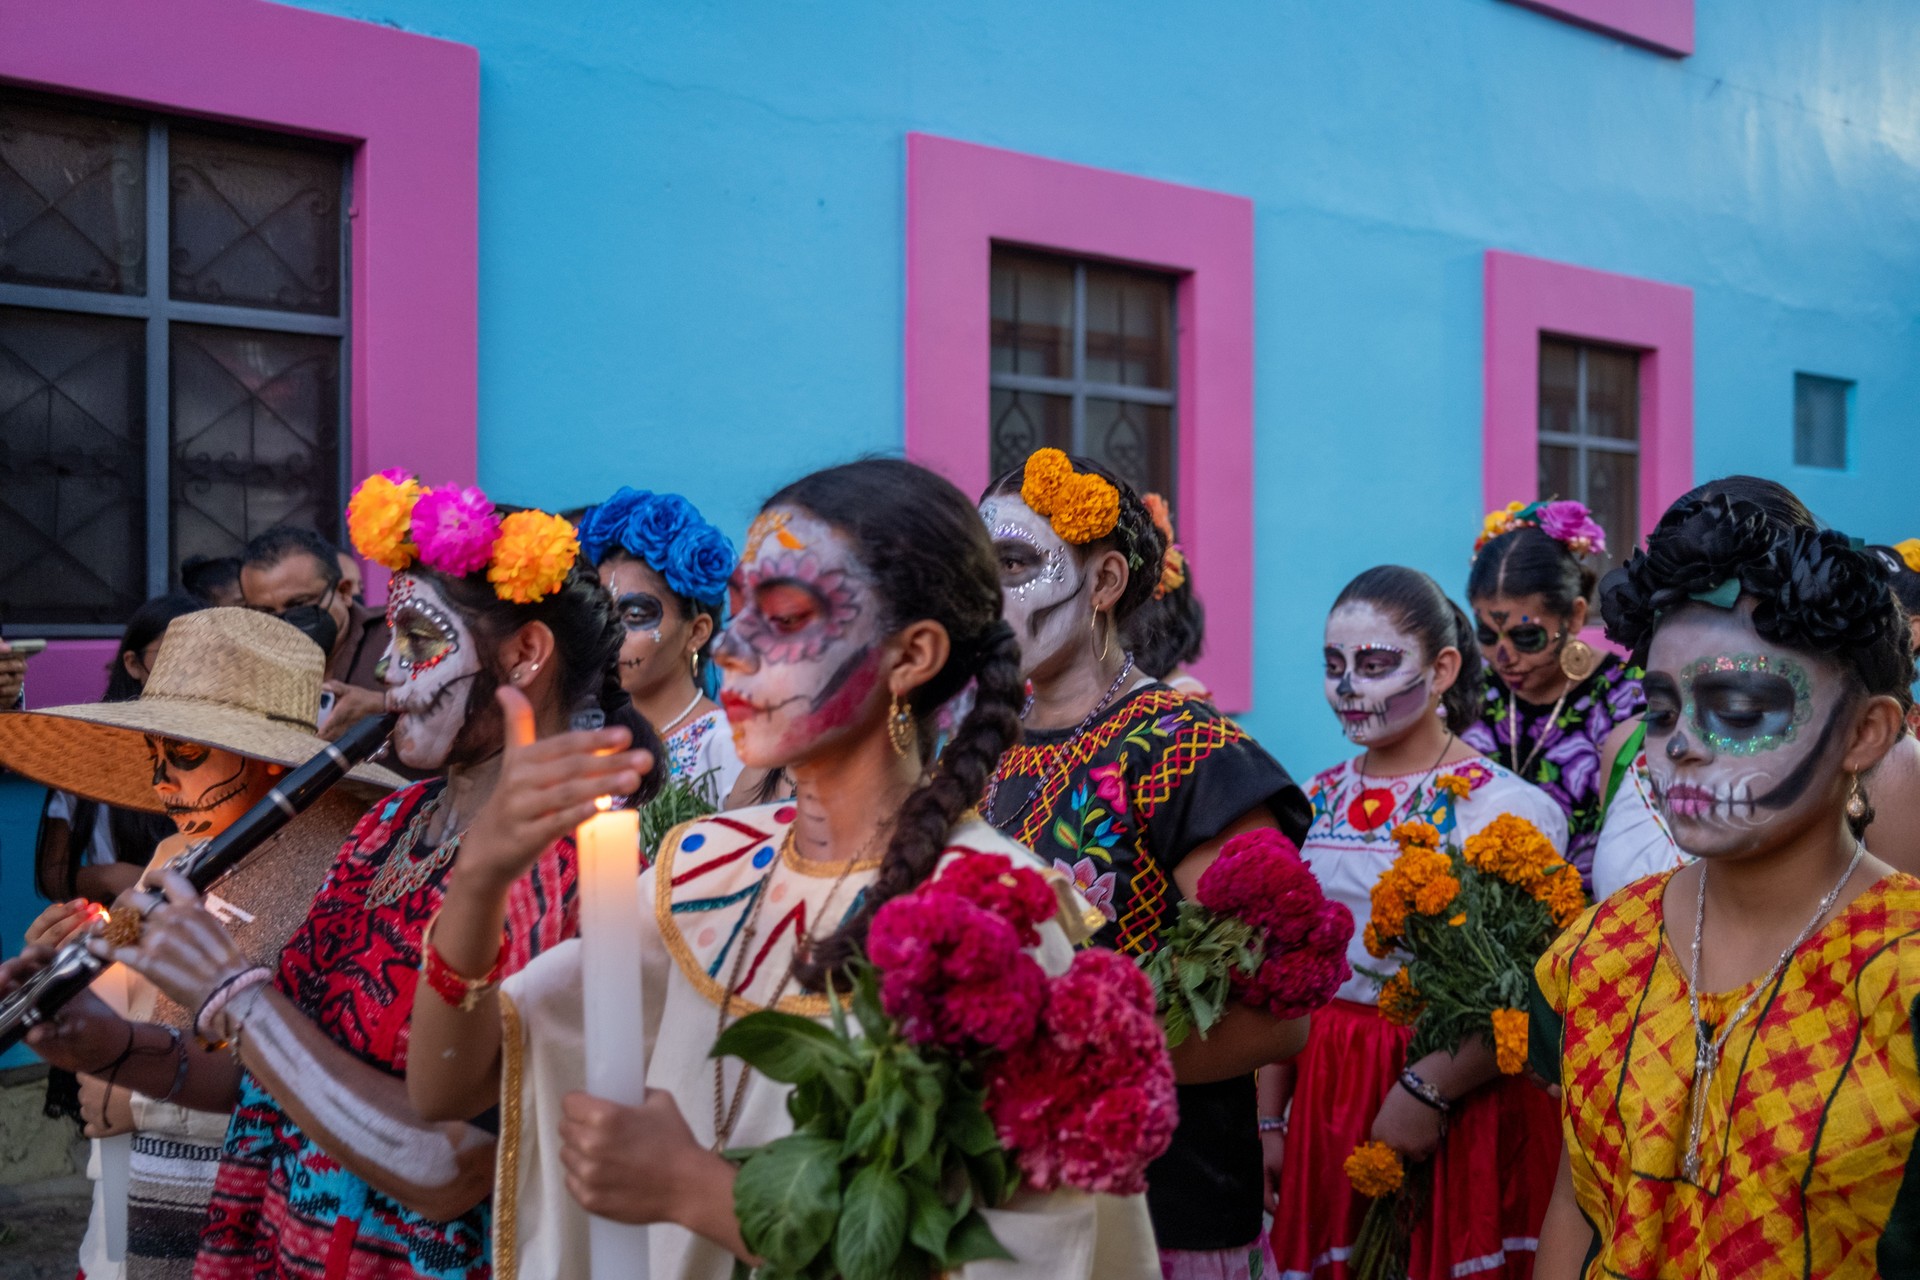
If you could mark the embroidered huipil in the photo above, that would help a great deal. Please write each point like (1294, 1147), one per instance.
(282, 1207)
(1810, 1122)
(701, 754)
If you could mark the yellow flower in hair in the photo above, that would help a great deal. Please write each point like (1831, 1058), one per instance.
(380, 517)
(1909, 552)
(1510, 1040)
(532, 556)
(1375, 1170)
(1173, 573)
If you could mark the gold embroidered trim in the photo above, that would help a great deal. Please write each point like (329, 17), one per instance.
(506, 1191)
(791, 858)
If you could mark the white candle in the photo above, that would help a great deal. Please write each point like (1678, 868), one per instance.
(614, 1002)
(116, 1153)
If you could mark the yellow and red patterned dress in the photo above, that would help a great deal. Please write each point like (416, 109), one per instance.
(1810, 1120)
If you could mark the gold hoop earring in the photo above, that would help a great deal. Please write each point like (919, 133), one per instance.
(900, 727)
(1857, 802)
(1106, 641)
(1578, 660)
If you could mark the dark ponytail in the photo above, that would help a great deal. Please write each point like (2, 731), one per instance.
(1134, 535)
(1526, 562)
(927, 550)
(1416, 602)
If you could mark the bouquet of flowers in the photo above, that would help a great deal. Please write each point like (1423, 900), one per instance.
(1469, 921)
(954, 1072)
(1259, 932)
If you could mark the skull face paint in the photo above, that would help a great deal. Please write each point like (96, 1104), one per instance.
(1043, 585)
(1741, 736)
(1375, 681)
(656, 629)
(1521, 640)
(800, 660)
(205, 789)
(431, 663)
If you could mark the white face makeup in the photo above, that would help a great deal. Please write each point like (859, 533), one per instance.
(205, 789)
(1043, 584)
(1376, 681)
(1743, 738)
(800, 659)
(431, 665)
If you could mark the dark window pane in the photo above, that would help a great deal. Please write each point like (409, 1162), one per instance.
(1129, 327)
(1032, 314)
(1613, 393)
(1024, 421)
(255, 225)
(1559, 387)
(1613, 494)
(1135, 440)
(72, 199)
(1559, 471)
(256, 420)
(72, 467)
(1820, 421)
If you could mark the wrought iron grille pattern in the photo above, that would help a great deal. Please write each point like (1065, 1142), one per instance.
(173, 321)
(1590, 433)
(1083, 360)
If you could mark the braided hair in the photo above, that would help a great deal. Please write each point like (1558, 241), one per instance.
(1813, 591)
(1134, 535)
(927, 552)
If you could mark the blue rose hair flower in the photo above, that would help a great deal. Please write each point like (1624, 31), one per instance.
(600, 527)
(699, 564)
(654, 524)
(666, 533)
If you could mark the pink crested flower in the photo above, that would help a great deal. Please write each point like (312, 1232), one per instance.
(1018, 895)
(1571, 523)
(953, 974)
(396, 475)
(455, 528)
(1259, 878)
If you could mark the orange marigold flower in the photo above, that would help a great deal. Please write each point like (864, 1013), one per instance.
(532, 556)
(1416, 833)
(1512, 849)
(1376, 947)
(1400, 1001)
(1375, 1170)
(1510, 1040)
(1040, 484)
(1436, 895)
(380, 519)
(1389, 909)
(1564, 895)
(1454, 785)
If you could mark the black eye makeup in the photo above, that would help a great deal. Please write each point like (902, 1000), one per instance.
(1375, 661)
(640, 611)
(1528, 637)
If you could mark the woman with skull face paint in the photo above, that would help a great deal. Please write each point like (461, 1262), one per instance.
(1735, 1040)
(1402, 666)
(328, 1170)
(667, 569)
(1132, 788)
(1552, 699)
(866, 597)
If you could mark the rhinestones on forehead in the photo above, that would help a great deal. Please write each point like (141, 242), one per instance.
(1376, 646)
(418, 606)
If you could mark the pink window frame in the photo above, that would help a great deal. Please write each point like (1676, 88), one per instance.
(961, 200)
(1665, 26)
(1527, 297)
(410, 106)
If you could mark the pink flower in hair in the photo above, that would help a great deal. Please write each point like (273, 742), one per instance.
(396, 475)
(455, 528)
(1571, 523)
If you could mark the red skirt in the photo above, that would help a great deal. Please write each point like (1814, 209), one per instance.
(1492, 1176)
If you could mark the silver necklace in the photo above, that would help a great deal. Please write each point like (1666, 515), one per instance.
(684, 713)
(1707, 1046)
(993, 784)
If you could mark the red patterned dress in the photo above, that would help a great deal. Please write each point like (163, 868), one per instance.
(282, 1207)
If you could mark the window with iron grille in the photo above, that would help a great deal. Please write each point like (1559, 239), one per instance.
(173, 330)
(1590, 433)
(1083, 360)
(1820, 421)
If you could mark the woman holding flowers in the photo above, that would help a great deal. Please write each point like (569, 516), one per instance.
(668, 569)
(1133, 790)
(865, 598)
(1734, 1040)
(1402, 669)
(1552, 699)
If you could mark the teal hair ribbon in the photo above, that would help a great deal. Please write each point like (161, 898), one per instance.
(1723, 596)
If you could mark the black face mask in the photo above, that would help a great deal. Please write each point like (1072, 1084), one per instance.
(315, 623)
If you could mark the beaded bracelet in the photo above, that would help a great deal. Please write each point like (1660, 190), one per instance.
(452, 986)
(1273, 1124)
(221, 997)
(1423, 1092)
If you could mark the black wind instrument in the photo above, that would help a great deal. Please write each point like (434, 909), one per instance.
(75, 967)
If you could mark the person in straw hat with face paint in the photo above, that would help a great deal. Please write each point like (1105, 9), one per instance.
(230, 706)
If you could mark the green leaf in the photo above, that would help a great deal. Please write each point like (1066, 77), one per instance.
(930, 1218)
(1067, 837)
(874, 1023)
(992, 1175)
(787, 1196)
(970, 1130)
(783, 1046)
(972, 1241)
(918, 1127)
(873, 1225)
(867, 1130)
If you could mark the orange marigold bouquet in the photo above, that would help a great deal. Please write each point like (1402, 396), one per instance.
(1467, 920)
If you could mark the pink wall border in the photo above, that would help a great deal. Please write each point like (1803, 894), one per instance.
(1665, 26)
(961, 198)
(1526, 297)
(412, 106)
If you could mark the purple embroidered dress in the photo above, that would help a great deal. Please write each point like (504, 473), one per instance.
(1564, 748)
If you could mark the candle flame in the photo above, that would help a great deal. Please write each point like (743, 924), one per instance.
(603, 803)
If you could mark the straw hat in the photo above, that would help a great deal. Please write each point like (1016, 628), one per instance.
(229, 678)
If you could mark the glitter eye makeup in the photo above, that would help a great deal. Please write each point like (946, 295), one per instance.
(640, 611)
(1746, 703)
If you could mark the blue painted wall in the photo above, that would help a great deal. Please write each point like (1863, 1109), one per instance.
(692, 237)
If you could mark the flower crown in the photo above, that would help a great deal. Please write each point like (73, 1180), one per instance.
(1568, 523)
(396, 522)
(1081, 506)
(1173, 569)
(668, 534)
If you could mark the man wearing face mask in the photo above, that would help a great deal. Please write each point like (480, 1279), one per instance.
(292, 573)
(228, 707)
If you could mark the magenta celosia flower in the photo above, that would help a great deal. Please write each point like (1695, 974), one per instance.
(953, 974)
(396, 475)
(1259, 878)
(455, 528)
(1018, 895)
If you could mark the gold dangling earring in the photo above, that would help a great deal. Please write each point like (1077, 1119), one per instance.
(1857, 802)
(900, 727)
(1106, 641)
(1577, 659)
